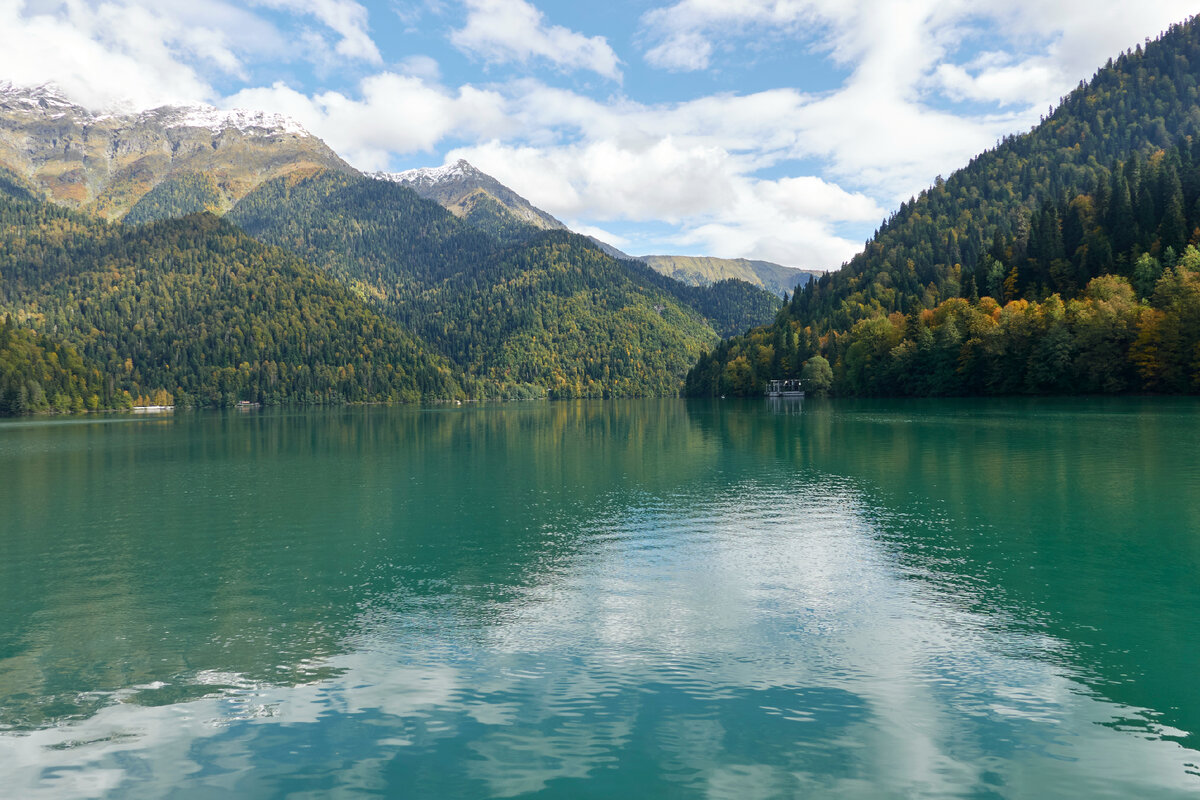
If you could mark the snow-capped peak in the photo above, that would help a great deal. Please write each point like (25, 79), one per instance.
(430, 176)
(217, 120)
(48, 100)
(46, 96)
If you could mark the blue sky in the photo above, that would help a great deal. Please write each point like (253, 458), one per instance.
(775, 129)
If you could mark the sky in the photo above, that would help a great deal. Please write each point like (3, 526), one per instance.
(783, 130)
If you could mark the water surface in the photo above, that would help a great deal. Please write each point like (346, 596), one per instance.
(621, 599)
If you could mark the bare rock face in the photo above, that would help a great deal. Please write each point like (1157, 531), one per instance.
(104, 162)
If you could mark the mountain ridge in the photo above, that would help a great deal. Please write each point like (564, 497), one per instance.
(104, 163)
(705, 270)
(465, 191)
(476, 197)
(108, 162)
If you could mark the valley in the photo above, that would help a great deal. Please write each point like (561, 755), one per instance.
(366, 291)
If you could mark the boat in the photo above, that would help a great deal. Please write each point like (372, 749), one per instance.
(785, 388)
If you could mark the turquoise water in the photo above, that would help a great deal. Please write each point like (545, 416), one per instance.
(608, 599)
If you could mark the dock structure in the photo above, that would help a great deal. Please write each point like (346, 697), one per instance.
(785, 388)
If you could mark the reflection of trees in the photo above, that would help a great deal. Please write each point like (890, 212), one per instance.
(704, 601)
(247, 545)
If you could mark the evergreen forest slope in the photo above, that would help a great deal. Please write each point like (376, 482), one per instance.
(38, 374)
(177, 196)
(550, 315)
(1060, 261)
(189, 311)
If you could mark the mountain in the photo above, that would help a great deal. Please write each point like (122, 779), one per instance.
(616, 253)
(483, 202)
(705, 270)
(553, 315)
(477, 198)
(190, 310)
(1061, 260)
(445, 305)
(105, 163)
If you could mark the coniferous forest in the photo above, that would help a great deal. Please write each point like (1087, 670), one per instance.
(1064, 260)
(550, 315)
(190, 311)
(360, 291)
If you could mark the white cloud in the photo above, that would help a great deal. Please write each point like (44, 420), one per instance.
(394, 114)
(504, 31)
(154, 52)
(997, 82)
(791, 221)
(686, 51)
(683, 33)
(893, 125)
(110, 53)
(423, 67)
(346, 18)
(702, 190)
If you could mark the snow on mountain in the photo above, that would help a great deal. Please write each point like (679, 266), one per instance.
(46, 98)
(48, 101)
(217, 120)
(106, 160)
(428, 177)
(475, 196)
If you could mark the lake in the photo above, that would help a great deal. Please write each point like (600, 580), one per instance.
(734, 599)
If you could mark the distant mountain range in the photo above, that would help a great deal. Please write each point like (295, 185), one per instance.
(482, 201)
(706, 270)
(197, 158)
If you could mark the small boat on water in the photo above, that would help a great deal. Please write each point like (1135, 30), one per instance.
(785, 388)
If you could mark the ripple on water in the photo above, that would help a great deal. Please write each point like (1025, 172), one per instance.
(356, 621)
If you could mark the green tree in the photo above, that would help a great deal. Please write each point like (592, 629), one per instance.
(817, 376)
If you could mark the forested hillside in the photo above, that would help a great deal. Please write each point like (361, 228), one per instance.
(562, 316)
(1055, 262)
(194, 311)
(37, 374)
(550, 315)
(175, 197)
